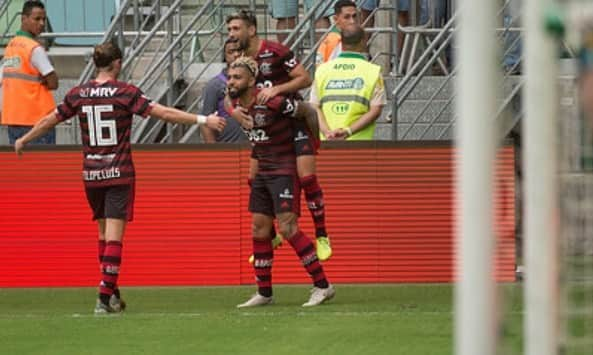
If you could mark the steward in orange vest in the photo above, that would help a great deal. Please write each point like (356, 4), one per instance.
(25, 89)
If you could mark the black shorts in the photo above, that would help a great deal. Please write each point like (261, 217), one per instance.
(274, 194)
(304, 142)
(111, 201)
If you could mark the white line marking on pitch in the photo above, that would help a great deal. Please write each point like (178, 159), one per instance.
(243, 314)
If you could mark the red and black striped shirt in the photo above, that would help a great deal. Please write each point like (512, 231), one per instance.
(275, 62)
(105, 111)
(272, 137)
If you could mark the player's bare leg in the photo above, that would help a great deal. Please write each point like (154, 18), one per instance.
(263, 254)
(112, 231)
(306, 168)
(305, 250)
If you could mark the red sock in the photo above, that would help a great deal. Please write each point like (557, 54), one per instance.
(110, 270)
(263, 255)
(102, 245)
(306, 252)
(314, 197)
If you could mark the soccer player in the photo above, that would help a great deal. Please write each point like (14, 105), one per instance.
(280, 73)
(105, 108)
(274, 189)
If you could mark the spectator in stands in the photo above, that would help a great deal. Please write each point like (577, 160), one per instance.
(348, 92)
(286, 12)
(366, 9)
(28, 77)
(403, 19)
(512, 40)
(434, 11)
(105, 108)
(345, 14)
(213, 101)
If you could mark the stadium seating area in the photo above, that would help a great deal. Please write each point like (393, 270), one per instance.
(422, 108)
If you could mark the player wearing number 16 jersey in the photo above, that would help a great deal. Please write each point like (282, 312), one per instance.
(105, 108)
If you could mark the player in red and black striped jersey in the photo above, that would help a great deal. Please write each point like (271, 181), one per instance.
(105, 108)
(281, 73)
(275, 191)
(271, 136)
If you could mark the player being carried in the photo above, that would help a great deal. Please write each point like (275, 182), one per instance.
(105, 108)
(275, 191)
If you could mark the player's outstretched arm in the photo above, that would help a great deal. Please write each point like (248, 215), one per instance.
(174, 115)
(41, 127)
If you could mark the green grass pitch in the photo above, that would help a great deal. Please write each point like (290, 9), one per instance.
(361, 319)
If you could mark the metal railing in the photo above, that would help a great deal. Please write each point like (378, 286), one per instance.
(161, 49)
(166, 61)
(424, 63)
(4, 6)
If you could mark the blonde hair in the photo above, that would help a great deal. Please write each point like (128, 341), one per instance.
(248, 63)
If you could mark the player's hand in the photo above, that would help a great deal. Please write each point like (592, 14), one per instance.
(241, 115)
(266, 94)
(18, 146)
(215, 122)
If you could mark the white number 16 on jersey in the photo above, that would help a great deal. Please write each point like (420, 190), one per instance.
(96, 125)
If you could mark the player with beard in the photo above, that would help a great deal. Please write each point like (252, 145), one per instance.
(280, 73)
(275, 191)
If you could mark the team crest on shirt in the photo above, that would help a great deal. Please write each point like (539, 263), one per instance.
(265, 68)
(259, 119)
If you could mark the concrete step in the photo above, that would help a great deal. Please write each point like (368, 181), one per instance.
(408, 112)
(429, 85)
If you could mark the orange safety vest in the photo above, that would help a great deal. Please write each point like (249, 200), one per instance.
(25, 99)
(326, 48)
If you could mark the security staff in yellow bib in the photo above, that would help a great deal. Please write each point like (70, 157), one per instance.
(348, 91)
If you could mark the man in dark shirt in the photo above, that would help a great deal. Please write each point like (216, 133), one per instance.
(275, 191)
(213, 101)
(105, 108)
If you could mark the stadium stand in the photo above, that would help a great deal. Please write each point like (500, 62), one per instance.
(172, 64)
